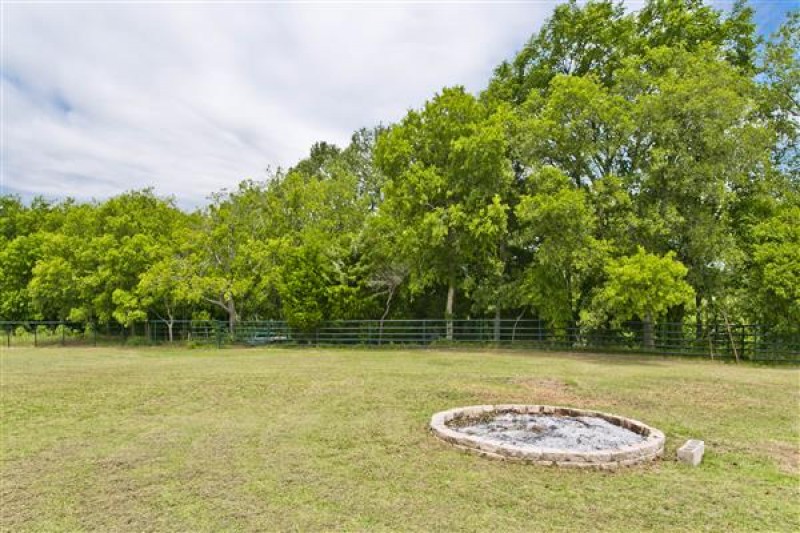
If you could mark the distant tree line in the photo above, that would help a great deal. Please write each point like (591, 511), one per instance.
(623, 166)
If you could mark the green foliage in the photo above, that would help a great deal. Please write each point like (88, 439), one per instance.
(665, 137)
(228, 256)
(447, 185)
(581, 127)
(781, 100)
(577, 40)
(557, 224)
(303, 289)
(692, 24)
(775, 281)
(642, 286)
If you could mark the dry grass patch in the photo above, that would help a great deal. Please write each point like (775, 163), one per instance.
(786, 455)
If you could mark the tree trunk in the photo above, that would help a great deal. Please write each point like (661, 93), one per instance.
(574, 329)
(385, 313)
(231, 308)
(647, 332)
(514, 329)
(497, 324)
(448, 312)
(169, 322)
(698, 314)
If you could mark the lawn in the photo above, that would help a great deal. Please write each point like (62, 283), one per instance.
(303, 439)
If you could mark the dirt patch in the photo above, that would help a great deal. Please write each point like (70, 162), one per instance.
(547, 390)
(528, 390)
(541, 383)
(786, 455)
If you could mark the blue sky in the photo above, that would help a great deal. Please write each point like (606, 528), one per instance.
(770, 14)
(192, 98)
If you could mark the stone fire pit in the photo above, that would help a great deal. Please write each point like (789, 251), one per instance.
(549, 435)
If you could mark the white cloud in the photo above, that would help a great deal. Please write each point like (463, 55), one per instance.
(193, 98)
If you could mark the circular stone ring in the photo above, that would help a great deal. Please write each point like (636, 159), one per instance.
(445, 425)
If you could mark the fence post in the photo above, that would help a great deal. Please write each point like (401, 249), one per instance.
(218, 331)
(94, 333)
(8, 334)
(743, 341)
(63, 339)
(35, 340)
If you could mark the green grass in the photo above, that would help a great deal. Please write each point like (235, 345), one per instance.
(265, 439)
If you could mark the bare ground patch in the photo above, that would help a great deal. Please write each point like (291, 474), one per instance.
(785, 454)
(549, 390)
(527, 390)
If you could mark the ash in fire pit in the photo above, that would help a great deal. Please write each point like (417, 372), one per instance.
(549, 435)
(579, 433)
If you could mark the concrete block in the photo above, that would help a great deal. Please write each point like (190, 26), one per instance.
(691, 453)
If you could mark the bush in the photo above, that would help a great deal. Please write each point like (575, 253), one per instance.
(137, 341)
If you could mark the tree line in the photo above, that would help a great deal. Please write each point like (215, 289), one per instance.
(622, 166)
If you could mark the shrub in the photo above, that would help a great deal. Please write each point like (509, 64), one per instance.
(137, 341)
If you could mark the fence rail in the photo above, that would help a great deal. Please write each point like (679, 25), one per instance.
(725, 341)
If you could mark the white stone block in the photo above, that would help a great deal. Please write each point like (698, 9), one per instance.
(691, 453)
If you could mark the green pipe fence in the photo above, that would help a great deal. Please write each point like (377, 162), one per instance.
(732, 341)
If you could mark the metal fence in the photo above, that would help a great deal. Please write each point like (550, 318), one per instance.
(731, 341)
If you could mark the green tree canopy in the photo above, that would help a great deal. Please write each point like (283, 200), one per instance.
(642, 286)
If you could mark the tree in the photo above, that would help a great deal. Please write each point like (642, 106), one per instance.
(642, 286)
(323, 210)
(557, 226)
(384, 269)
(18, 257)
(577, 40)
(580, 127)
(231, 260)
(90, 265)
(773, 291)
(666, 129)
(693, 24)
(702, 147)
(164, 290)
(54, 289)
(447, 175)
(359, 159)
(781, 94)
(24, 231)
(320, 156)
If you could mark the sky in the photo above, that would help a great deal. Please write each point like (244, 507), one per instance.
(192, 97)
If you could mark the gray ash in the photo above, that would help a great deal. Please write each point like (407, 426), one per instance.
(579, 433)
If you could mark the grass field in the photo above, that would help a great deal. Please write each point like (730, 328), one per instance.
(263, 439)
